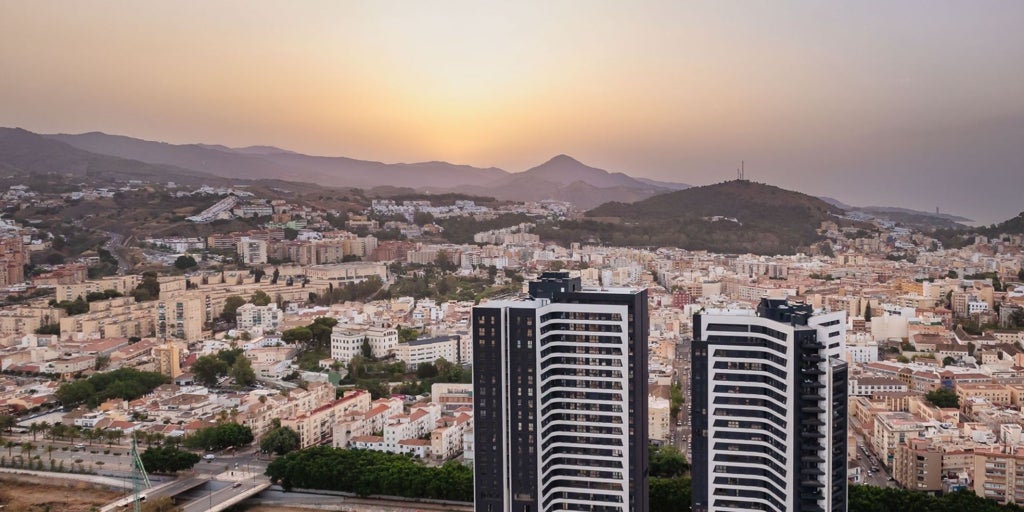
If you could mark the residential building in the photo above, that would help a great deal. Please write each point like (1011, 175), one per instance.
(560, 399)
(769, 398)
(168, 359)
(428, 350)
(265, 318)
(252, 251)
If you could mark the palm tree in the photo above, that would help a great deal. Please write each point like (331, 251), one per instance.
(36, 428)
(57, 431)
(49, 452)
(10, 446)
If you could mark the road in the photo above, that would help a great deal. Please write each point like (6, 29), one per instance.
(115, 244)
(294, 498)
(681, 430)
(218, 493)
(868, 461)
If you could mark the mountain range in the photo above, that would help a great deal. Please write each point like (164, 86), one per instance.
(561, 178)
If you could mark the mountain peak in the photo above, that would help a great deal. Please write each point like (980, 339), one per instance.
(563, 159)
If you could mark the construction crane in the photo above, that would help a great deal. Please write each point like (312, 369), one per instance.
(140, 480)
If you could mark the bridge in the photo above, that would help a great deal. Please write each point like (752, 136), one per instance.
(171, 488)
(225, 497)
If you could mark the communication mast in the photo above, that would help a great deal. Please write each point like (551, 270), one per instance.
(140, 480)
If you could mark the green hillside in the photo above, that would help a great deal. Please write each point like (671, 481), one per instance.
(735, 216)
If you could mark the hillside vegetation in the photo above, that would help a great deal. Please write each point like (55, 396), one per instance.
(732, 217)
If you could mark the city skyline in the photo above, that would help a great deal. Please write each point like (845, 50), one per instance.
(907, 104)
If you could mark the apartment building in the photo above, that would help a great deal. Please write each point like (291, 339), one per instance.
(769, 397)
(428, 350)
(265, 318)
(316, 426)
(560, 399)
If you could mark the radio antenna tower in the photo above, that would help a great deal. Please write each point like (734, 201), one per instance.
(140, 480)
(741, 172)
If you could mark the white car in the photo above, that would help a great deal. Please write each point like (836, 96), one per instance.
(209, 456)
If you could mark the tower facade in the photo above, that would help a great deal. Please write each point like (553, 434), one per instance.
(560, 400)
(769, 409)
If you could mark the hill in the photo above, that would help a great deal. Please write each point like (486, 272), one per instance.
(561, 178)
(26, 152)
(1014, 226)
(264, 162)
(564, 178)
(733, 217)
(911, 218)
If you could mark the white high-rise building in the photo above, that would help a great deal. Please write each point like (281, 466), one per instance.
(769, 416)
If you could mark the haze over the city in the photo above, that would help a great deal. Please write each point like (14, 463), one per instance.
(913, 104)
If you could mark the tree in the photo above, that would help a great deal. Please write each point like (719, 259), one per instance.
(671, 494)
(365, 349)
(148, 289)
(675, 399)
(280, 441)
(423, 218)
(1020, 275)
(867, 312)
(297, 335)
(242, 372)
(943, 398)
(426, 371)
(407, 334)
(184, 261)
(667, 461)
(948, 360)
(320, 467)
(444, 261)
(219, 437)
(231, 305)
(290, 234)
(260, 298)
(74, 393)
(7, 422)
(167, 459)
(49, 329)
(208, 369)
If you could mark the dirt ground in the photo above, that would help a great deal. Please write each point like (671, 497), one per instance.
(32, 494)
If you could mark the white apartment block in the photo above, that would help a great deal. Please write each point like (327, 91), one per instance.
(446, 440)
(867, 386)
(428, 350)
(252, 251)
(347, 341)
(659, 424)
(266, 318)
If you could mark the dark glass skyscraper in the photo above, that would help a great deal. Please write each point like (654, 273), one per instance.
(560, 400)
(769, 410)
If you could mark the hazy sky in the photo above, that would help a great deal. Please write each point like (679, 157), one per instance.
(917, 104)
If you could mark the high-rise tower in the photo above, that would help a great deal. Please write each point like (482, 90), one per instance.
(769, 410)
(560, 399)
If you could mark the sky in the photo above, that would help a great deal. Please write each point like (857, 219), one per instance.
(917, 104)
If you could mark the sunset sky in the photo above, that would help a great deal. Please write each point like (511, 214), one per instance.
(905, 103)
